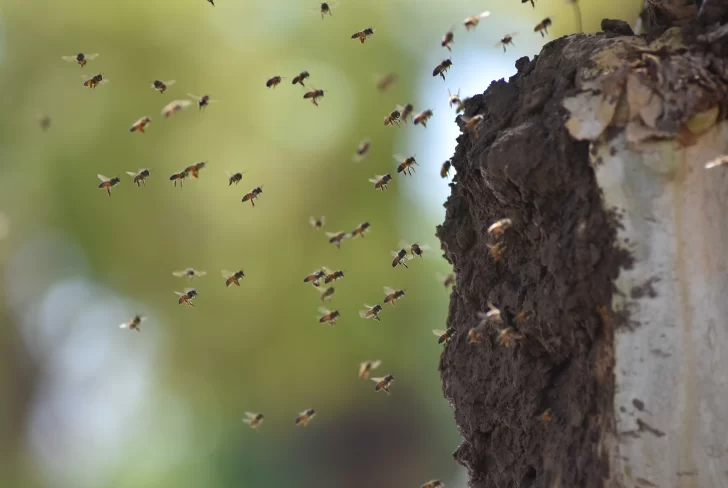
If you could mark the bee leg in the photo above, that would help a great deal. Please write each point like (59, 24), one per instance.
(108, 190)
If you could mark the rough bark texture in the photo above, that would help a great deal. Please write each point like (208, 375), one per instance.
(553, 281)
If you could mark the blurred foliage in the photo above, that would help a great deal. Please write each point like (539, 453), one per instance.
(258, 347)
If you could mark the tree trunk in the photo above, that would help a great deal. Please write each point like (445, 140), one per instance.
(611, 280)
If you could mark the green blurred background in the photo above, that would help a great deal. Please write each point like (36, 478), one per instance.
(85, 404)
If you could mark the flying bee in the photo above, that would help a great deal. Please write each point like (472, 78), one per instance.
(336, 237)
(194, 169)
(383, 383)
(441, 68)
(80, 58)
(507, 336)
(400, 257)
(492, 315)
(325, 8)
(546, 416)
(202, 101)
(380, 181)
(392, 118)
(315, 277)
(406, 165)
(474, 336)
(543, 27)
(415, 249)
(45, 122)
(405, 111)
(433, 484)
(305, 417)
(314, 95)
(719, 161)
(108, 183)
(140, 177)
(422, 118)
(234, 177)
(254, 420)
(371, 312)
(472, 123)
(362, 150)
(448, 39)
(181, 176)
(363, 35)
(454, 100)
(498, 228)
(328, 316)
(360, 230)
(274, 81)
(186, 297)
(189, 273)
(506, 40)
(497, 251)
(232, 278)
(133, 324)
(326, 293)
(211, 2)
(300, 77)
(162, 85)
(366, 367)
(448, 280)
(385, 82)
(444, 336)
(317, 223)
(140, 124)
(533, 4)
(330, 276)
(252, 195)
(472, 22)
(445, 169)
(94, 81)
(175, 106)
(391, 295)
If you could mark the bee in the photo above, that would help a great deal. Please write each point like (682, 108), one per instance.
(300, 77)
(133, 324)
(433, 484)
(392, 118)
(362, 150)
(405, 111)
(441, 68)
(326, 293)
(175, 106)
(546, 416)
(506, 40)
(422, 118)
(366, 367)
(314, 95)
(194, 169)
(186, 297)
(533, 4)
(189, 273)
(380, 181)
(234, 177)
(492, 315)
(385, 82)
(94, 81)
(232, 278)
(406, 165)
(472, 22)
(474, 336)
(472, 123)
(162, 85)
(108, 183)
(336, 237)
(444, 335)
(360, 230)
(507, 336)
(371, 312)
(448, 39)
(305, 417)
(325, 8)
(315, 277)
(80, 58)
(363, 35)
(140, 176)
(211, 2)
(274, 81)
(445, 169)
(543, 27)
(328, 316)
(140, 124)
(497, 251)
(415, 248)
(719, 161)
(330, 276)
(383, 383)
(181, 176)
(456, 101)
(498, 228)
(400, 257)
(448, 280)
(252, 195)
(317, 223)
(391, 295)
(254, 420)
(202, 101)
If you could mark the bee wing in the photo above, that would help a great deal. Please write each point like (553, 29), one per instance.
(251, 415)
(193, 96)
(70, 59)
(399, 158)
(375, 364)
(179, 274)
(170, 82)
(376, 180)
(187, 290)
(363, 313)
(438, 332)
(104, 81)
(326, 270)
(90, 57)
(312, 221)
(226, 274)
(483, 15)
(124, 325)
(323, 220)
(102, 178)
(200, 273)
(377, 380)
(179, 294)
(425, 247)
(388, 290)
(324, 310)
(332, 234)
(497, 44)
(86, 77)
(131, 173)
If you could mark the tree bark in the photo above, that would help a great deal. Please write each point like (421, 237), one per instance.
(611, 280)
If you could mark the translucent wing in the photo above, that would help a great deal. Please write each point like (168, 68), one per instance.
(324, 311)
(187, 290)
(131, 173)
(179, 294)
(363, 314)
(425, 247)
(70, 59)
(312, 221)
(102, 178)
(193, 96)
(332, 234)
(179, 274)
(377, 380)
(326, 270)
(483, 15)
(374, 180)
(200, 273)
(375, 364)
(226, 274)
(104, 81)
(251, 415)
(388, 290)
(438, 332)
(124, 326)
(323, 220)
(90, 57)
(170, 82)
(394, 253)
